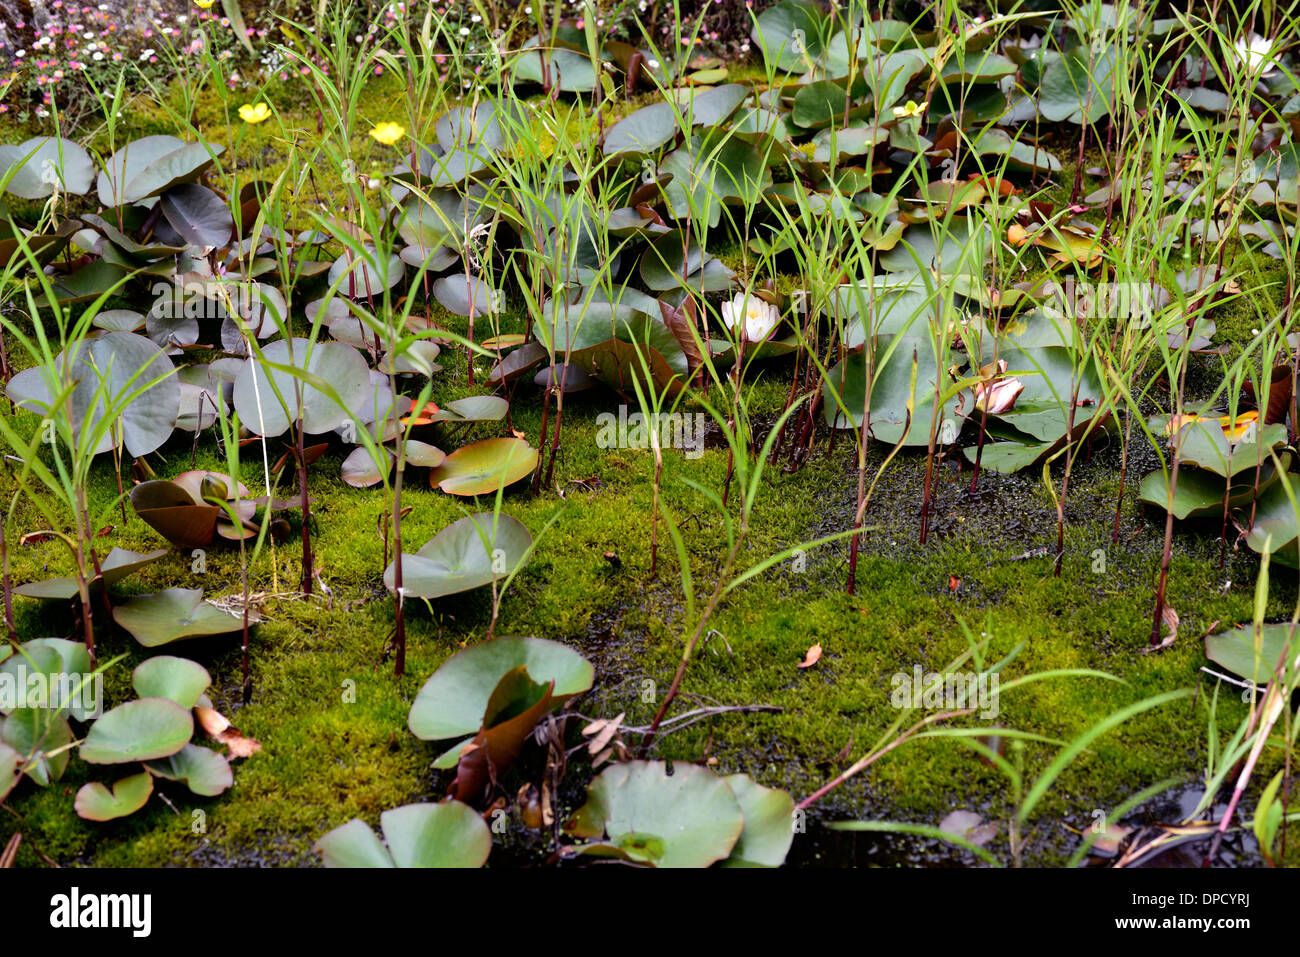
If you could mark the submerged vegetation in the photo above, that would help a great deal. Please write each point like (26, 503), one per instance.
(551, 443)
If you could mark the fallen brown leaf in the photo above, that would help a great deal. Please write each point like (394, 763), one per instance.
(218, 727)
(812, 657)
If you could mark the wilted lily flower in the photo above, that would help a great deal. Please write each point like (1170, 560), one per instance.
(387, 133)
(254, 113)
(756, 318)
(995, 394)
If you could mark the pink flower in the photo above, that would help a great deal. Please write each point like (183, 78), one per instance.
(997, 395)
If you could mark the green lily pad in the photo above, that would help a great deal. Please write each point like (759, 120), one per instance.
(204, 771)
(162, 617)
(44, 164)
(66, 667)
(128, 162)
(890, 393)
(1200, 493)
(450, 834)
(1277, 524)
(454, 700)
(121, 371)
(333, 364)
(119, 563)
(1004, 458)
(769, 824)
(464, 555)
(182, 165)
(95, 802)
(485, 466)
(664, 267)
(11, 769)
(177, 679)
(689, 819)
(472, 408)
(40, 736)
(790, 34)
(1236, 651)
(140, 730)
(1204, 445)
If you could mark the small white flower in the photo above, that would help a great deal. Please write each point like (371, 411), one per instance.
(1255, 53)
(757, 318)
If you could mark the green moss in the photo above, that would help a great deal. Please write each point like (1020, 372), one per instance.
(332, 718)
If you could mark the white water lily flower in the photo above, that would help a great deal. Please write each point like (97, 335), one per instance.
(1255, 53)
(757, 318)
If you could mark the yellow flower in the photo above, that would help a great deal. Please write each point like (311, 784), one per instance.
(204, 4)
(910, 108)
(1243, 426)
(254, 113)
(388, 133)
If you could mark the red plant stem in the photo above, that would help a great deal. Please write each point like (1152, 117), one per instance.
(1123, 473)
(555, 438)
(399, 609)
(10, 630)
(542, 434)
(307, 562)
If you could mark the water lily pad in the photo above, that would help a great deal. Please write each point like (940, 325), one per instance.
(638, 812)
(453, 701)
(172, 614)
(204, 771)
(119, 563)
(128, 162)
(41, 736)
(790, 34)
(671, 263)
(464, 555)
(465, 295)
(450, 834)
(11, 769)
(182, 165)
(336, 365)
(769, 824)
(44, 164)
(140, 730)
(1235, 650)
(66, 668)
(177, 679)
(198, 214)
(485, 466)
(95, 802)
(173, 513)
(1277, 525)
(361, 276)
(360, 470)
(121, 371)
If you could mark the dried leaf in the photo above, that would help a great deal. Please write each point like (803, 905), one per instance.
(1170, 618)
(812, 657)
(603, 734)
(218, 727)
